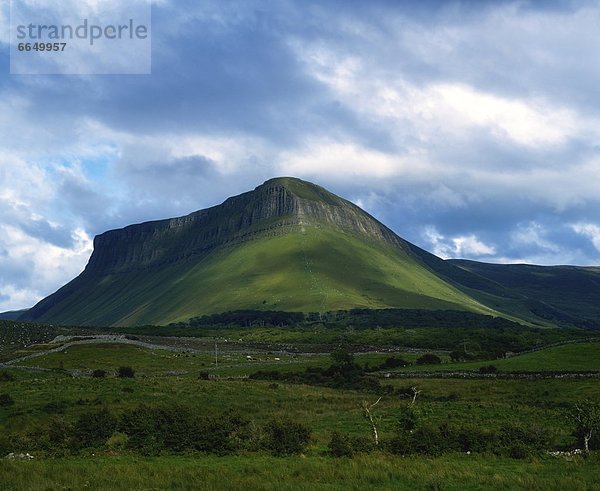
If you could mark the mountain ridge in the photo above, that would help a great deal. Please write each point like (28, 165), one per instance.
(236, 219)
(288, 245)
(313, 236)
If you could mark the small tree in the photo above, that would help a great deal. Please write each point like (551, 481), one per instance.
(586, 416)
(415, 392)
(99, 373)
(369, 415)
(126, 372)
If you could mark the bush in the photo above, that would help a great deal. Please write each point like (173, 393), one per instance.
(393, 362)
(429, 359)
(6, 400)
(414, 437)
(126, 372)
(178, 429)
(93, 429)
(99, 373)
(286, 437)
(6, 377)
(342, 357)
(204, 375)
(117, 441)
(519, 442)
(488, 369)
(59, 433)
(340, 445)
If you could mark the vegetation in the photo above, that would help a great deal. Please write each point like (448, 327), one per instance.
(126, 372)
(183, 417)
(586, 416)
(429, 359)
(467, 342)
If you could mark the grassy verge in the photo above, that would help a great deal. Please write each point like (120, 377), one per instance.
(452, 472)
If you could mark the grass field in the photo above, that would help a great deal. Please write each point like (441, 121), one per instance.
(453, 472)
(42, 397)
(567, 358)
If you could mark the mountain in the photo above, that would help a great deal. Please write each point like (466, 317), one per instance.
(12, 315)
(286, 245)
(561, 295)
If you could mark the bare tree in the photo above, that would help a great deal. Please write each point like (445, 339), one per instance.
(586, 416)
(415, 394)
(368, 413)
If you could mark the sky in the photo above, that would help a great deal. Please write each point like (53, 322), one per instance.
(471, 129)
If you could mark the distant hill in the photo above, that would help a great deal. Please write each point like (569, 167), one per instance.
(290, 245)
(12, 315)
(563, 295)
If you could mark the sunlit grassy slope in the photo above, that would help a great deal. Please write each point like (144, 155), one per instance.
(308, 268)
(567, 358)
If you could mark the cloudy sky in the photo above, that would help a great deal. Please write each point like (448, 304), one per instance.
(470, 128)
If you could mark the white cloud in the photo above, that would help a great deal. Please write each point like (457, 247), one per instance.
(346, 160)
(526, 122)
(435, 109)
(533, 234)
(45, 264)
(461, 246)
(590, 231)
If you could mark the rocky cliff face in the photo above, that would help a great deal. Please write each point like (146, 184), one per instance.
(271, 208)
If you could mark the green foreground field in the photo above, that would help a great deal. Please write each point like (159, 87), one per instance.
(164, 378)
(452, 472)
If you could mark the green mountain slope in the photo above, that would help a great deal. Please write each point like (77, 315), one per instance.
(557, 295)
(287, 245)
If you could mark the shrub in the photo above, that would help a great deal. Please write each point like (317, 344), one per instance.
(99, 373)
(340, 445)
(286, 437)
(6, 400)
(408, 419)
(343, 445)
(203, 375)
(141, 427)
(59, 433)
(488, 369)
(429, 359)
(342, 357)
(177, 429)
(393, 362)
(117, 441)
(6, 377)
(126, 372)
(93, 429)
(520, 441)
